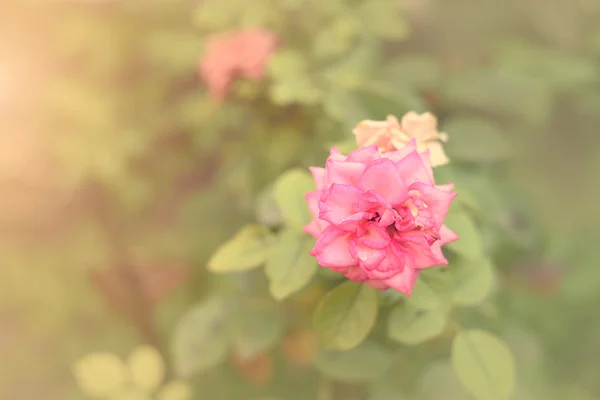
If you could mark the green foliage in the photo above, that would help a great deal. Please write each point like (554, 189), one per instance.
(484, 364)
(366, 362)
(247, 250)
(200, 340)
(289, 266)
(346, 315)
(289, 190)
(411, 326)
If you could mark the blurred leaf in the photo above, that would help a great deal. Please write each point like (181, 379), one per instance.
(175, 390)
(363, 363)
(288, 70)
(290, 267)
(100, 374)
(500, 92)
(147, 368)
(246, 250)
(549, 66)
(414, 70)
(201, 338)
(439, 382)
(432, 290)
(346, 315)
(267, 211)
(289, 191)
(411, 326)
(336, 39)
(476, 139)
(473, 280)
(256, 328)
(345, 107)
(384, 19)
(484, 364)
(469, 243)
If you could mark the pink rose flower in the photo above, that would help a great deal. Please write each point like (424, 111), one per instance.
(390, 135)
(229, 55)
(378, 218)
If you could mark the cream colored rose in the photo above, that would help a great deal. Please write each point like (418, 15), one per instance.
(390, 135)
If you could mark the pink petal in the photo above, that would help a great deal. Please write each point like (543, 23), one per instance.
(356, 274)
(312, 199)
(437, 201)
(402, 152)
(364, 154)
(373, 236)
(447, 188)
(377, 284)
(404, 281)
(332, 249)
(381, 176)
(447, 236)
(315, 227)
(336, 155)
(318, 174)
(343, 172)
(392, 264)
(339, 203)
(412, 169)
(368, 257)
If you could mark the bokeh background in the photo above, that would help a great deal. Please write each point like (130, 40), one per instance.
(120, 173)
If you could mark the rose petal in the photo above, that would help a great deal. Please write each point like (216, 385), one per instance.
(382, 177)
(318, 174)
(339, 203)
(412, 169)
(332, 249)
(404, 281)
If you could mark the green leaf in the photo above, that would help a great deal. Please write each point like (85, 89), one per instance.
(146, 367)
(432, 290)
(439, 382)
(384, 19)
(469, 243)
(201, 338)
(476, 139)
(473, 280)
(363, 363)
(99, 374)
(246, 250)
(346, 315)
(409, 325)
(267, 211)
(289, 191)
(484, 364)
(256, 328)
(289, 266)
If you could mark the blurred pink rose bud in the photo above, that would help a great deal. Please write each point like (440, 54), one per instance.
(390, 135)
(230, 55)
(379, 217)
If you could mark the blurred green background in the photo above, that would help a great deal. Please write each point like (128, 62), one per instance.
(119, 174)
